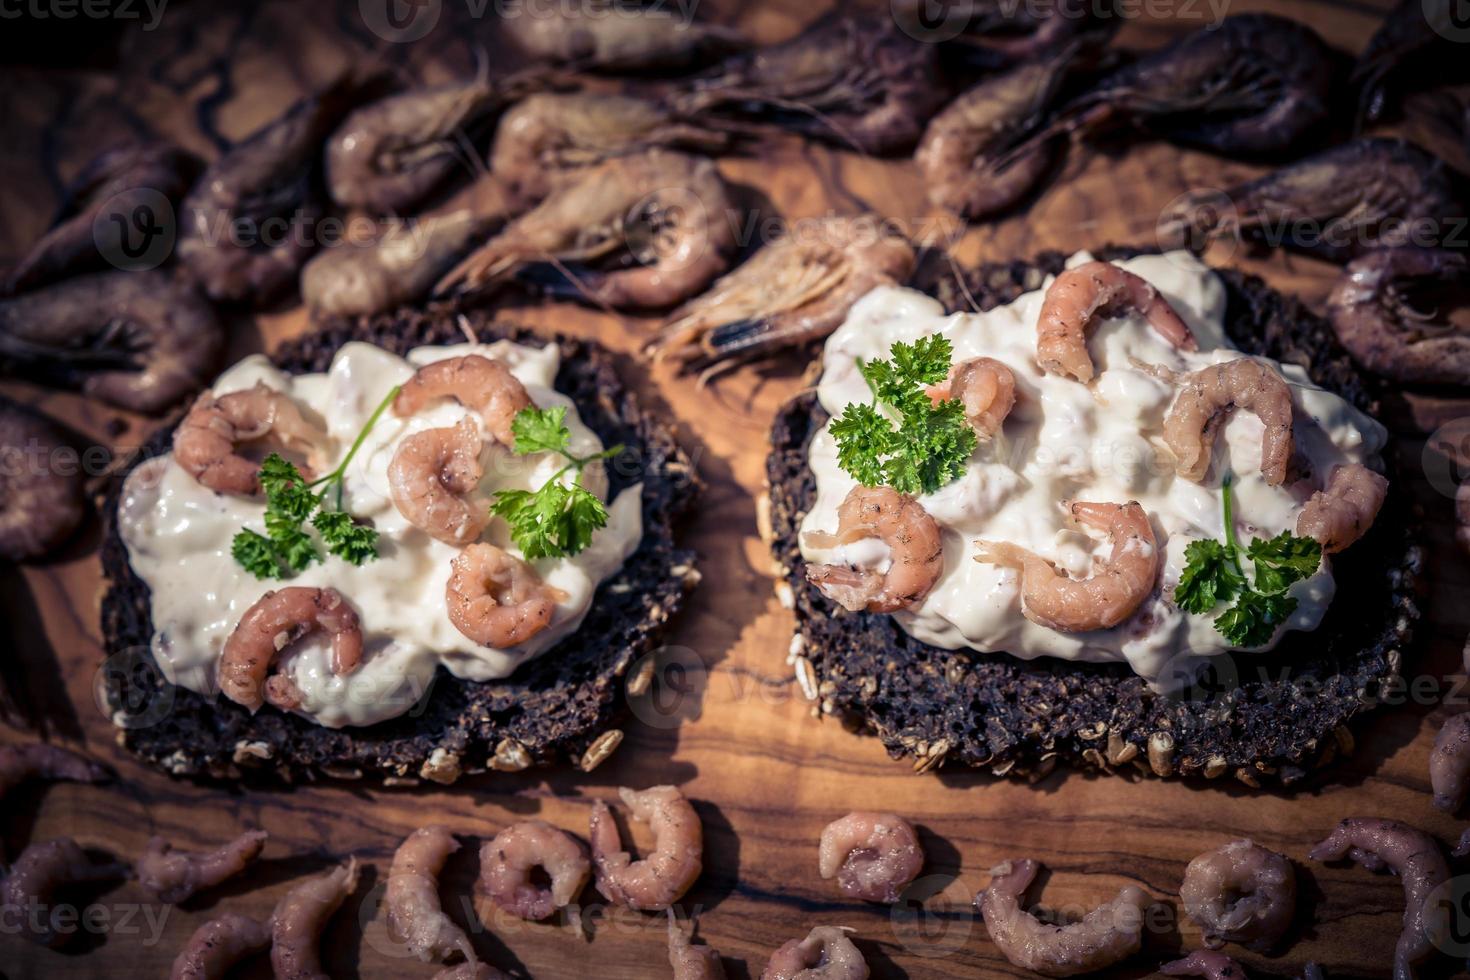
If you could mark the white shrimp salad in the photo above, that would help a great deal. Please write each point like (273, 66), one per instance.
(1066, 441)
(178, 534)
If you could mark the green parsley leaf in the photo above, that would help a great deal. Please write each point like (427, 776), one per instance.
(293, 546)
(1254, 618)
(345, 538)
(584, 515)
(1209, 578)
(255, 553)
(539, 430)
(924, 362)
(864, 437)
(1283, 560)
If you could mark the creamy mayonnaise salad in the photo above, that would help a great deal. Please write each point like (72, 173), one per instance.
(1066, 441)
(178, 536)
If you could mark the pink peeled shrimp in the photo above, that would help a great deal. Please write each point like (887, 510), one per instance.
(1381, 844)
(1240, 893)
(1206, 401)
(1117, 586)
(1107, 935)
(1343, 512)
(1097, 289)
(301, 916)
(415, 915)
(37, 874)
(873, 856)
(205, 442)
(432, 477)
(987, 389)
(38, 760)
(691, 962)
(1449, 763)
(481, 384)
(916, 552)
(825, 954)
(657, 881)
(173, 876)
(275, 621)
(496, 599)
(506, 864)
(218, 945)
(1205, 963)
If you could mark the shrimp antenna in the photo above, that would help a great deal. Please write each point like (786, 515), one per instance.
(959, 278)
(467, 328)
(578, 284)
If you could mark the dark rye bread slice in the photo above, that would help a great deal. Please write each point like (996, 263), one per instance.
(564, 703)
(1264, 719)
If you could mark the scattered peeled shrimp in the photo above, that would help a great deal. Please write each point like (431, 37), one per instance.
(915, 546)
(173, 876)
(1449, 763)
(873, 856)
(1379, 844)
(139, 341)
(1078, 296)
(1240, 893)
(205, 443)
(642, 231)
(1107, 935)
(506, 866)
(496, 599)
(109, 199)
(657, 881)
(796, 289)
(691, 962)
(276, 621)
(415, 915)
(1117, 586)
(618, 38)
(431, 479)
(1205, 402)
(215, 947)
(482, 384)
(825, 954)
(1205, 963)
(1343, 512)
(300, 917)
(40, 506)
(38, 760)
(987, 389)
(39, 872)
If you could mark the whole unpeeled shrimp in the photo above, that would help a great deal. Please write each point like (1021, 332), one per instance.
(642, 231)
(1205, 402)
(506, 866)
(1205, 963)
(41, 505)
(873, 856)
(1240, 893)
(415, 915)
(1379, 844)
(218, 945)
(139, 341)
(272, 624)
(1117, 586)
(38, 760)
(796, 289)
(173, 876)
(1378, 310)
(206, 441)
(496, 599)
(613, 37)
(300, 917)
(38, 873)
(987, 389)
(825, 954)
(1343, 512)
(659, 880)
(432, 478)
(915, 552)
(482, 384)
(545, 138)
(1449, 763)
(111, 201)
(1107, 935)
(1079, 296)
(691, 962)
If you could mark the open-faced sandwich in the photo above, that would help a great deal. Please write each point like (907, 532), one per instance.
(1108, 516)
(408, 547)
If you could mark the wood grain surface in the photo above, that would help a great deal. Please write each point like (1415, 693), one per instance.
(767, 774)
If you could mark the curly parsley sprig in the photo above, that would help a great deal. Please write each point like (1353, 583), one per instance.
(903, 438)
(291, 501)
(1213, 574)
(559, 519)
